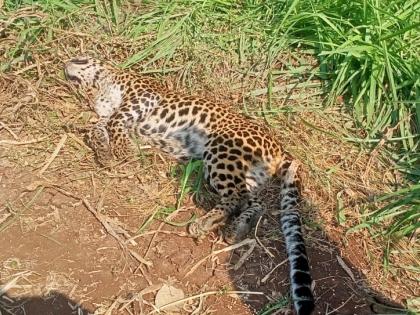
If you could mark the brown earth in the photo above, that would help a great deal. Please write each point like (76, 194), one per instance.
(56, 245)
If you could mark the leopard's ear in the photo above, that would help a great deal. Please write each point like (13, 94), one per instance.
(80, 60)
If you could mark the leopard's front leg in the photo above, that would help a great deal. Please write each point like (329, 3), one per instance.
(97, 139)
(119, 139)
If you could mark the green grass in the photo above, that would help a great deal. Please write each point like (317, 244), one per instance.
(281, 303)
(369, 53)
(369, 50)
(191, 182)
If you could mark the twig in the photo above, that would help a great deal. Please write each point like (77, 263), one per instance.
(244, 257)
(13, 142)
(169, 217)
(113, 306)
(140, 267)
(153, 239)
(2, 124)
(12, 283)
(150, 289)
(345, 267)
(337, 308)
(27, 68)
(258, 239)
(102, 219)
(140, 259)
(203, 295)
(92, 178)
(226, 249)
(198, 309)
(54, 154)
(182, 234)
(269, 274)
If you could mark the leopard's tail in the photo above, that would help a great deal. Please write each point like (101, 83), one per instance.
(300, 277)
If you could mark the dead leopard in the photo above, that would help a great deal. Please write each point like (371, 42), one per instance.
(239, 155)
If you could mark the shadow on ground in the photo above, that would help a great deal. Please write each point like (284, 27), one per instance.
(339, 287)
(55, 303)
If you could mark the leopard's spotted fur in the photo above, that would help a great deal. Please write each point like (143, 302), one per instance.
(239, 155)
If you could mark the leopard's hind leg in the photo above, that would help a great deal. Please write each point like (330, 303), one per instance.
(231, 198)
(215, 218)
(241, 225)
(253, 180)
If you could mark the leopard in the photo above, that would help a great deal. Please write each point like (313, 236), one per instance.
(240, 155)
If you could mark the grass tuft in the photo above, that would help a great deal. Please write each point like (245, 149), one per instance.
(368, 55)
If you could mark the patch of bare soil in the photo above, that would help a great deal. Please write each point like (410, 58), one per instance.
(51, 243)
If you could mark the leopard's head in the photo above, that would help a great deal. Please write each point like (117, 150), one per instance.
(86, 71)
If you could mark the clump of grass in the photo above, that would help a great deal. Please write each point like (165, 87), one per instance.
(191, 180)
(281, 304)
(33, 20)
(368, 54)
(404, 202)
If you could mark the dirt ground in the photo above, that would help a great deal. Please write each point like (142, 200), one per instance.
(54, 244)
(71, 240)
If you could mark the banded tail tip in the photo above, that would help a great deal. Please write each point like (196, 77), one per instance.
(304, 307)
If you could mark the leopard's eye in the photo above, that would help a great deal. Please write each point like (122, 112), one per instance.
(73, 78)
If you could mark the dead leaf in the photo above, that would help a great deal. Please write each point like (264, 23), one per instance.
(169, 294)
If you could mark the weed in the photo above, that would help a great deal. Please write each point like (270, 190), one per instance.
(191, 180)
(281, 303)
